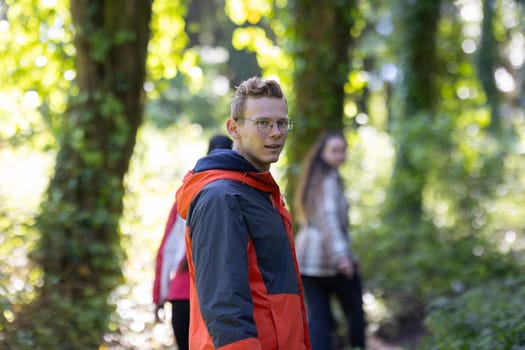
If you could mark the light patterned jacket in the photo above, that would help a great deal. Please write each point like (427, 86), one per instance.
(324, 240)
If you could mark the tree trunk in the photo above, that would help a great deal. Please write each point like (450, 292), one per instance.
(321, 54)
(420, 99)
(416, 140)
(79, 250)
(487, 61)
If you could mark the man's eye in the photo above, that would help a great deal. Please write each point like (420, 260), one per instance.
(263, 123)
(282, 123)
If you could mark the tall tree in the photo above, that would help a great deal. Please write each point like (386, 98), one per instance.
(79, 250)
(487, 62)
(320, 51)
(209, 25)
(419, 61)
(413, 133)
(492, 159)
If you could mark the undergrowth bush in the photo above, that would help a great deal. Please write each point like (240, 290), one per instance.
(408, 270)
(485, 318)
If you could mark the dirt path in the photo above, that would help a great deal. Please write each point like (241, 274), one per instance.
(377, 344)
(405, 343)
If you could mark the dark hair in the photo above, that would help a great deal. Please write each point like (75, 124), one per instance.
(313, 171)
(254, 87)
(219, 142)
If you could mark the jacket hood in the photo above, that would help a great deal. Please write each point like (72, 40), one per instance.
(224, 159)
(224, 164)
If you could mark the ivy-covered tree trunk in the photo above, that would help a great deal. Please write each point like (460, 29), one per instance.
(487, 61)
(79, 250)
(420, 19)
(417, 137)
(322, 42)
(481, 184)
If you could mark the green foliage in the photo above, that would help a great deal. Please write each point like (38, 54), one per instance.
(448, 224)
(37, 70)
(455, 246)
(484, 318)
(38, 330)
(166, 46)
(17, 275)
(423, 264)
(177, 105)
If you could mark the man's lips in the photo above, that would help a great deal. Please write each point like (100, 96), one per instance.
(273, 146)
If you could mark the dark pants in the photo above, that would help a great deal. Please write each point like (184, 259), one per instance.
(318, 291)
(180, 320)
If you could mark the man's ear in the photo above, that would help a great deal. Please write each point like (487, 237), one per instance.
(233, 129)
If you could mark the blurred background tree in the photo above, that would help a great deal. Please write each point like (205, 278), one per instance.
(320, 45)
(102, 113)
(79, 248)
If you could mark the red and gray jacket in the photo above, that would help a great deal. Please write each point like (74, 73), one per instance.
(245, 288)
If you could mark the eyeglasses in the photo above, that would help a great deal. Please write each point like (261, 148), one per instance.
(266, 125)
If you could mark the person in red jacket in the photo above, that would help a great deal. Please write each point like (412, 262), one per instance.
(245, 287)
(172, 279)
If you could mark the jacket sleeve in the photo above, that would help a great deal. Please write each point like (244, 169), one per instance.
(332, 225)
(219, 242)
(169, 253)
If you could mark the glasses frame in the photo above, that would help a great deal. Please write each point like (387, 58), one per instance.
(289, 124)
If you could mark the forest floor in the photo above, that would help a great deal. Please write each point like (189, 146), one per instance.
(408, 340)
(407, 343)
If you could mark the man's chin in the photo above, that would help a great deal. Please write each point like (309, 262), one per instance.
(274, 153)
(273, 159)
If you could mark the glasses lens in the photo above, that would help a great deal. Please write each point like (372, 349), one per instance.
(285, 125)
(263, 125)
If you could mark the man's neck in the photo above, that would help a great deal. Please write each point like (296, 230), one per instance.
(259, 166)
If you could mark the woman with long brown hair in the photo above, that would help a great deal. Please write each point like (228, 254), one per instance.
(325, 259)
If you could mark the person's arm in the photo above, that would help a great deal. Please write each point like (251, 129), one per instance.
(219, 243)
(159, 282)
(170, 251)
(332, 227)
